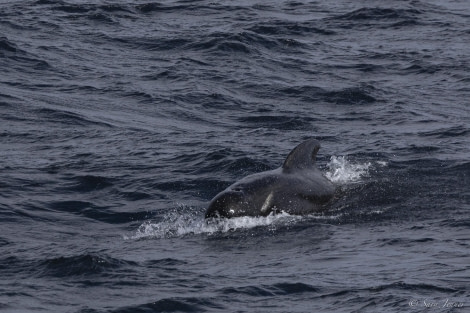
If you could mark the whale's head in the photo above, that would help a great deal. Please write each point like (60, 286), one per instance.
(229, 203)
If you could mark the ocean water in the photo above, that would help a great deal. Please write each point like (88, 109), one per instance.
(120, 120)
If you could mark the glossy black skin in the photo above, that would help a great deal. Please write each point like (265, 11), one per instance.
(297, 187)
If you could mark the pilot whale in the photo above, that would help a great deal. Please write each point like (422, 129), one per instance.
(297, 187)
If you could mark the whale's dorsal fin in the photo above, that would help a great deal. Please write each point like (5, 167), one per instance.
(302, 156)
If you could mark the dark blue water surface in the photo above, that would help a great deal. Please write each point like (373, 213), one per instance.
(119, 121)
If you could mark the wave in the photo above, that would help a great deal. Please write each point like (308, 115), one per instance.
(456, 222)
(355, 95)
(278, 122)
(379, 14)
(111, 13)
(7, 46)
(277, 289)
(289, 292)
(3, 242)
(87, 183)
(96, 212)
(67, 118)
(173, 304)
(290, 28)
(404, 242)
(243, 42)
(87, 264)
(82, 265)
(447, 132)
(21, 58)
(347, 96)
(400, 285)
(377, 17)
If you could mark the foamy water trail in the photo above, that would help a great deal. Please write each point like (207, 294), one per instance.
(180, 224)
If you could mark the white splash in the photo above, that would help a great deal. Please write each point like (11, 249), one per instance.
(179, 224)
(341, 170)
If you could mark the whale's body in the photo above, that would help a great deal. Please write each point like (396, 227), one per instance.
(297, 187)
